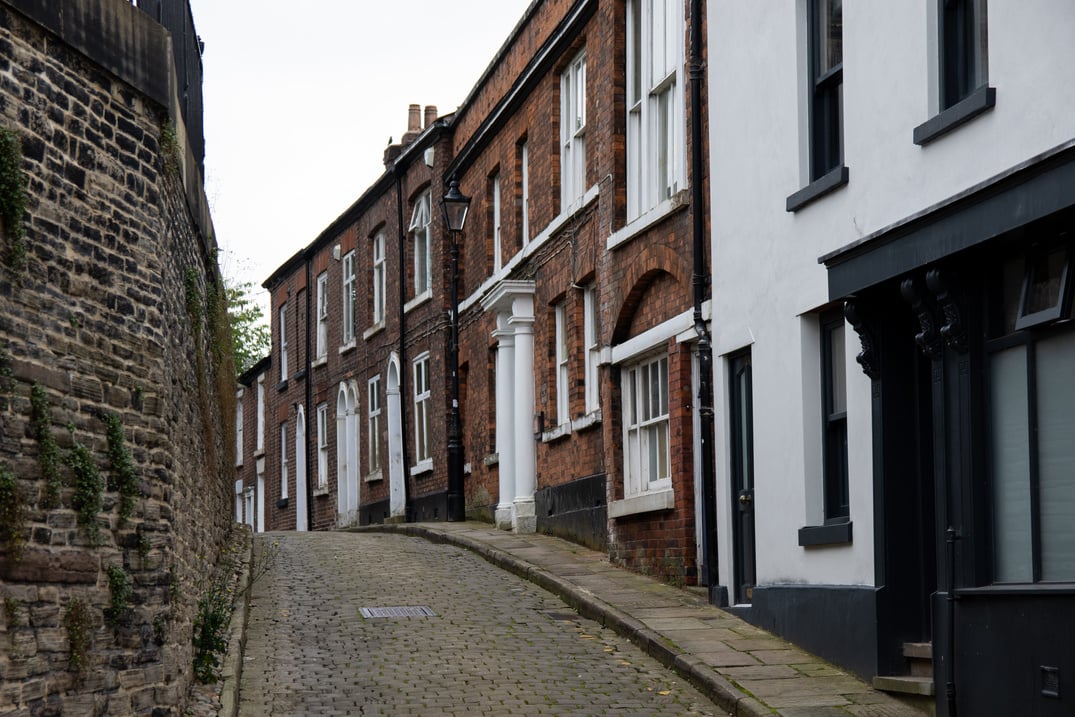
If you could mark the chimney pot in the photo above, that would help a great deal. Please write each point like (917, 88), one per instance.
(414, 118)
(431, 115)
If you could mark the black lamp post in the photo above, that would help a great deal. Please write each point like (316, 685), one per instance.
(455, 206)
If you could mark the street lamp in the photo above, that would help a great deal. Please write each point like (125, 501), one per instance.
(455, 206)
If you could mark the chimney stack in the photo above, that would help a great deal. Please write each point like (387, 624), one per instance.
(431, 115)
(414, 119)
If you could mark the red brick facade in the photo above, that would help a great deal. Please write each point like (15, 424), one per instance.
(507, 135)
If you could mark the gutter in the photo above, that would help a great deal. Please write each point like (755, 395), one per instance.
(705, 346)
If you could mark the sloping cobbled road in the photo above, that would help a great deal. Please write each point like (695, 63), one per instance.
(497, 645)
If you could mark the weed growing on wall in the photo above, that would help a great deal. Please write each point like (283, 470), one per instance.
(13, 513)
(124, 476)
(7, 380)
(218, 601)
(120, 589)
(77, 623)
(88, 488)
(48, 452)
(12, 199)
(169, 147)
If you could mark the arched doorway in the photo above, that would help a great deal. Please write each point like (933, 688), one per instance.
(301, 522)
(396, 487)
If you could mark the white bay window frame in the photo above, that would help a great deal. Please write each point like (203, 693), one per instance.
(421, 236)
(573, 132)
(422, 453)
(348, 298)
(656, 120)
(646, 436)
(322, 315)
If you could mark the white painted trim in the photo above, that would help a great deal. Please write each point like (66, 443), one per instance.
(418, 300)
(644, 503)
(586, 421)
(648, 219)
(651, 338)
(425, 466)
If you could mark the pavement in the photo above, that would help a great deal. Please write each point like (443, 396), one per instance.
(743, 670)
(541, 626)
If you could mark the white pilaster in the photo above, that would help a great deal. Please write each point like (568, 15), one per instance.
(505, 420)
(522, 320)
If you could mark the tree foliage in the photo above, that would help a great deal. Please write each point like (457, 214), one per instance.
(250, 335)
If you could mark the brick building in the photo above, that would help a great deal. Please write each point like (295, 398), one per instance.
(577, 361)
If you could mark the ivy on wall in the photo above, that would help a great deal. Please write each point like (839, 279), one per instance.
(12, 199)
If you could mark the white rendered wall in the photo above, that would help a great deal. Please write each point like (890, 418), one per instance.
(766, 273)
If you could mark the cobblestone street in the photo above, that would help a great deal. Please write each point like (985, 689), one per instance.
(497, 645)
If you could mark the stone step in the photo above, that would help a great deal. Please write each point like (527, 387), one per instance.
(918, 650)
(905, 684)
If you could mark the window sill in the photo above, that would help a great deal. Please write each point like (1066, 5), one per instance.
(586, 421)
(374, 330)
(644, 503)
(282, 503)
(974, 104)
(373, 477)
(422, 468)
(418, 300)
(239, 463)
(321, 491)
(557, 433)
(491, 460)
(818, 188)
(641, 223)
(320, 361)
(349, 346)
(259, 453)
(299, 375)
(836, 534)
(282, 386)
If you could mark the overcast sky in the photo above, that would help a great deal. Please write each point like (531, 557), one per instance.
(300, 104)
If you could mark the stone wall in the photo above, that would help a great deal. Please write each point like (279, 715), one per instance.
(115, 312)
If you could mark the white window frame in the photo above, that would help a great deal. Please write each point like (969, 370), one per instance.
(422, 453)
(283, 461)
(563, 397)
(239, 429)
(573, 133)
(373, 414)
(347, 298)
(378, 278)
(283, 342)
(591, 348)
(322, 315)
(420, 232)
(322, 446)
(524, 171)
(260, 446)
(656, 165)
(643, 424)
(498, 260)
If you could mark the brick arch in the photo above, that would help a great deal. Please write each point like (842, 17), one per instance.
(647, 268)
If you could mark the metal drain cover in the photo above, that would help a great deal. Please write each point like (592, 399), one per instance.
(401, 611)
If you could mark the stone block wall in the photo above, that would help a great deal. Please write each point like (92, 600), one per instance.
(115, 312)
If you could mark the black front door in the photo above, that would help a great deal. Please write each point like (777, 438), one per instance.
(742, 427)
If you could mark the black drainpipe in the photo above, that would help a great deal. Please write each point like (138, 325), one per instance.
(705, 346)
(309, 398)
(409, 507)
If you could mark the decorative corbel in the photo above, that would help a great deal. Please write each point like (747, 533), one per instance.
(867, 358)
(928, 339)
(954, 331)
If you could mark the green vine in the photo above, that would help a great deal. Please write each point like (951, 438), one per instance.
(121, 466)
(193, 294)
(77, 623)
(12, 610)
(48, 452)
(169, 145)
(13, 513)
(7, 380)
(88, 488)
(120, 588)
(12, 198)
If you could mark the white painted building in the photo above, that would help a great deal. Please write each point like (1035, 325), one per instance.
(926, 150)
